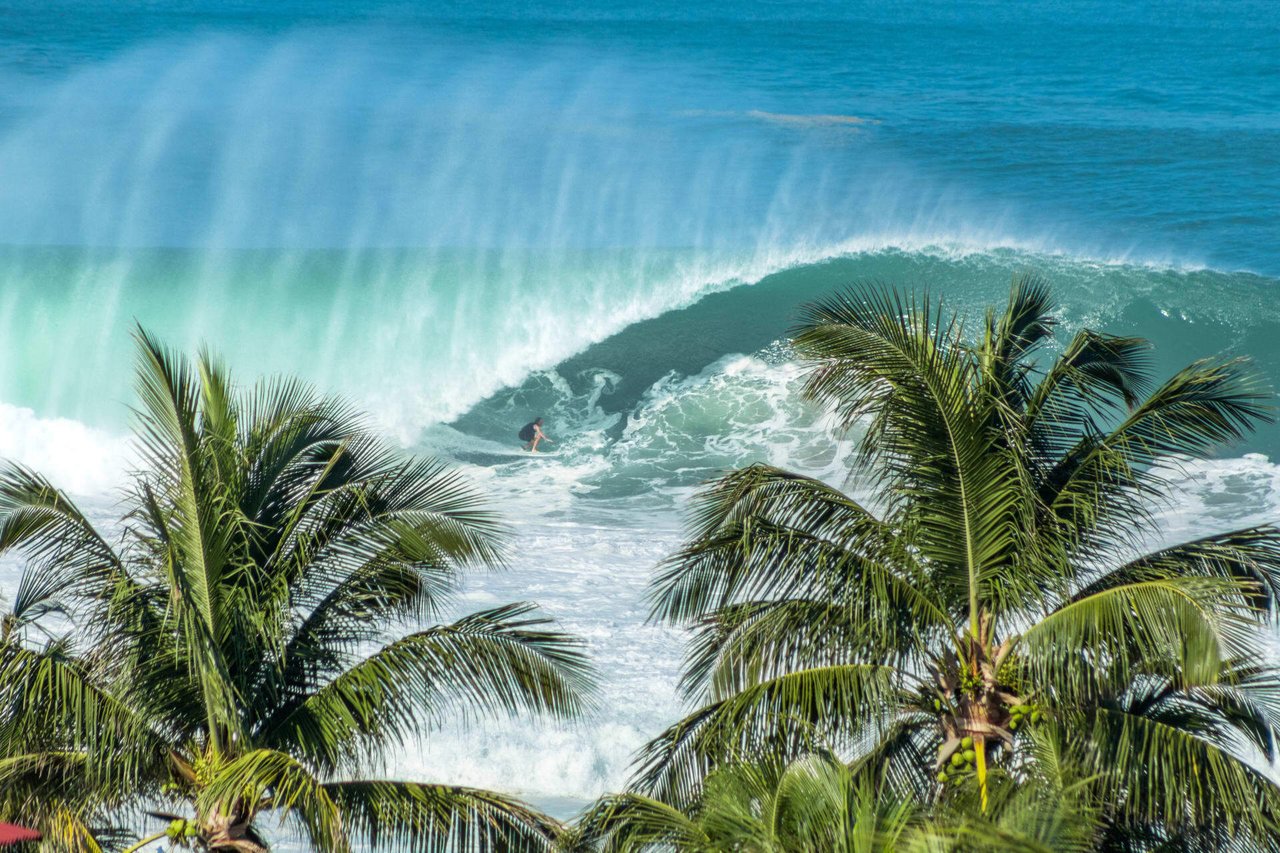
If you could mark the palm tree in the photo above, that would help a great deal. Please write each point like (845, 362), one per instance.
(995, 584)
(817, 802)
(249, 644)
(814, 802)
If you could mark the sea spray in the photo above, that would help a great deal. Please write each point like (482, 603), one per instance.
(415, 222)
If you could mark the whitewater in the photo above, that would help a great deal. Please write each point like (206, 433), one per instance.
(464, 217)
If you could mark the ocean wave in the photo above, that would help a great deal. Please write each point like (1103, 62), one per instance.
(73, 456)
(480, 339)
(1186, 313)
(420, 225)
(480, 364)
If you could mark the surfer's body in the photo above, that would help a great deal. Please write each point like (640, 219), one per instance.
(531, 433)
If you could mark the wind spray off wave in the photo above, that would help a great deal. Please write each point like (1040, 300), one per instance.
(415, 223)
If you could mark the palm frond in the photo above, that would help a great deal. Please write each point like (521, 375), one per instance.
(929, 434)
(745, 644)
(494, 661)
(1110, 479)
(783, 716)
(409, 817)
(1008, 340)
(51, 702)
(630, 822)
(1095, 375)
(1250, 556)
(267, 780)
(1114, 635)
(762, 533)
(1164, 773)
(202, 527)
(67, 560)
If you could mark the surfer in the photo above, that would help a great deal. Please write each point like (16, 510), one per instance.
(531, 433)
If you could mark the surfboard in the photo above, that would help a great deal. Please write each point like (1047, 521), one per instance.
(497, 457)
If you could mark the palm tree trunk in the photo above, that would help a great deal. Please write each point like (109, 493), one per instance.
(231, 834)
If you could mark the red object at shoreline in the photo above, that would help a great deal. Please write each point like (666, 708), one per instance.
(12, 834)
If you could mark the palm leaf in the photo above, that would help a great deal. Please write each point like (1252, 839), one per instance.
(500, 660)
(1164, 773)
(1114, 635)
(745, 644)
(421, 818)
(264, 779)
(1250, 556)
(628, 822)
(929, 436)
(782, 716)
(762, 533)
(67, 559)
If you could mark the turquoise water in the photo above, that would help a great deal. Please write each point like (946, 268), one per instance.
(357, 188)
(465, 214)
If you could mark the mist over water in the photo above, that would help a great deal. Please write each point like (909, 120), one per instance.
(465, 216)
(344, 204)
(421, 215)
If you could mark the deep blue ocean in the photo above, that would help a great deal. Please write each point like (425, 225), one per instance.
(462, 214)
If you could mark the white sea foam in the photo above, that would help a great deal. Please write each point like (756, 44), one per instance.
(1221, 494)
(74, 457)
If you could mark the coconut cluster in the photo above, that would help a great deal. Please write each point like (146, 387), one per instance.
(962, 762)
(1020, 715)
(180, 829)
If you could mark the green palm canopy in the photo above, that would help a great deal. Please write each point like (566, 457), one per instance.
(250, 643)
(817, 802)
(997, 585)
(812, 803)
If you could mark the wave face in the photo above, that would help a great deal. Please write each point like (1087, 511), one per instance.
(597, 394)
(465, 215)
(416, 224)
(419, 208)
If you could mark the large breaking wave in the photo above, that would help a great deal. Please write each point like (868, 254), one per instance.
(420, 222)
